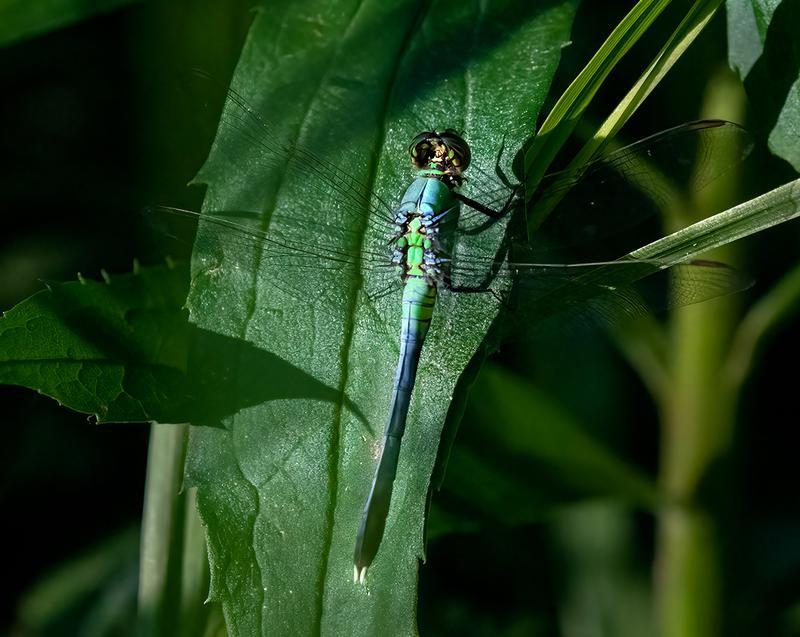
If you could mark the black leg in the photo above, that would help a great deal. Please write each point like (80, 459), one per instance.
(493, 216)
(489, 212)
(478, 289)
(468, 289)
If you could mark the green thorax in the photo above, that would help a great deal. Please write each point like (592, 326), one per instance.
(427, 218)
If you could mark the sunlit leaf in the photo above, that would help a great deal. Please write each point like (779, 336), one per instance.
(282, 485)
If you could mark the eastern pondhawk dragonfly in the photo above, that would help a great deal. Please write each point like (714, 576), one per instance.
(416, 245)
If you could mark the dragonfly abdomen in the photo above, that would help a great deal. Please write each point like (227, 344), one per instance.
(426, 215)
(419, 298)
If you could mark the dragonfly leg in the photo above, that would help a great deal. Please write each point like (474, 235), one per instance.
(489, 212)
(483, 288)
(493, 216)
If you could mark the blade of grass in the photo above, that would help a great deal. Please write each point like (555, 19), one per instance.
(564, 115)
(690, 27)
(774, 309)
(194, 616)
(765, 211)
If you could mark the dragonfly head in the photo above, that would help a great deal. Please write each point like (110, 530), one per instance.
(445, 152)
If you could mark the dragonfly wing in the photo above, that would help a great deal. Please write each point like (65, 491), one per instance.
(312, 219)
(235, 242)
(246, 138)
(612, 205)
(551, 298)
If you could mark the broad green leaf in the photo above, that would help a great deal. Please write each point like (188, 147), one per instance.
(748, 24)
(763, 48)
(123, 350)
(115, 349)
(20, 19)
(281, 486)
(523, 454)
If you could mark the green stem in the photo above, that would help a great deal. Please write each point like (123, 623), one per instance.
(687, 574)
(162, 530)
(697, 422)
(194, 613)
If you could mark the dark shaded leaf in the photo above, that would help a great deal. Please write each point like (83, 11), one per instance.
(20, 19)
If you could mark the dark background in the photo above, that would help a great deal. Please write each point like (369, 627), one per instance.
(94, 127)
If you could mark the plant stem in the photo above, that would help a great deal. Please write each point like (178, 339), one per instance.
(696, 427)
(162, 530)
(194, 570)
(697, 422)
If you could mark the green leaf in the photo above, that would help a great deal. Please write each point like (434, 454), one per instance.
(91, 594)
(564, 115)
(123, 350)
(763, 48)
(520, 454)
(760, 213)
(281, 486)
(115, 349)
(690, 27)
(20, 19)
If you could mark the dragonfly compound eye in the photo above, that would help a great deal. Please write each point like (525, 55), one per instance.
(446, 151)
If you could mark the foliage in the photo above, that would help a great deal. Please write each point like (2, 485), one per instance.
(289, 397)
(20, 20)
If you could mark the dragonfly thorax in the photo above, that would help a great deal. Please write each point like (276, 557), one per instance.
(416, 249)
(425, 219)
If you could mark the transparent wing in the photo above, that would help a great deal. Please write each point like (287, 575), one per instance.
(329, 227)
(292, 250)
(231, 241)
(613, 204)
(604, 208)
(242, 128)
(541, 299)
(278, 249)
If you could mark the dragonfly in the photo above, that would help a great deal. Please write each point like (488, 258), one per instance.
(533, 282)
